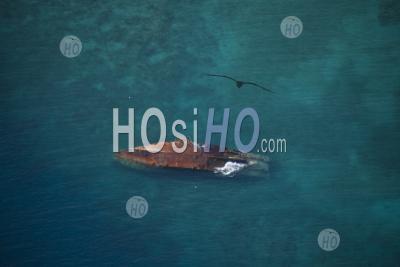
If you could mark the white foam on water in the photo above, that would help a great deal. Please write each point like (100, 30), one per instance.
(230, 168)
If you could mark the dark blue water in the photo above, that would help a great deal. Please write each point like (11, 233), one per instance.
(337, 104)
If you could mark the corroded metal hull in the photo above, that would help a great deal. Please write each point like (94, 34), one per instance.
(190, 159)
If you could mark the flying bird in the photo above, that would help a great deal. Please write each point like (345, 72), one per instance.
(239, 84)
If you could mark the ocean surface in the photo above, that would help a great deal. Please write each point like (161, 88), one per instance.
(336, 102)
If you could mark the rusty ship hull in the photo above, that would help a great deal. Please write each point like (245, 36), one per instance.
(190, 159)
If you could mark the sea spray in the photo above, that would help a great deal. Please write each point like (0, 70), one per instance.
(230, 168)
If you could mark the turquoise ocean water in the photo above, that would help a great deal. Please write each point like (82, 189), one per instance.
(336, 103)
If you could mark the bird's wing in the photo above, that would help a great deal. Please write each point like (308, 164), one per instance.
(259, 86)
(223, 76)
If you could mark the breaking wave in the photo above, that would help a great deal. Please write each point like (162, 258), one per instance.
(230, 168)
